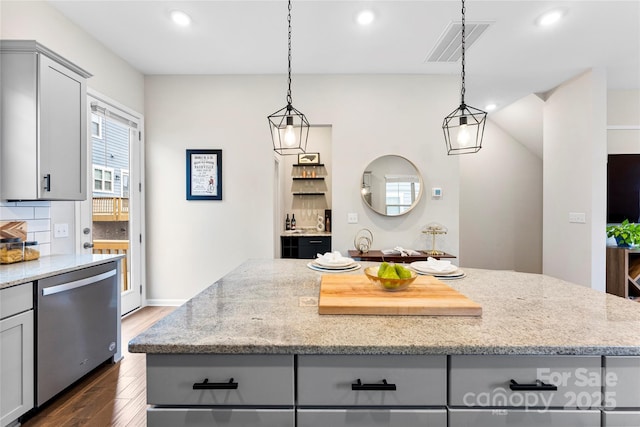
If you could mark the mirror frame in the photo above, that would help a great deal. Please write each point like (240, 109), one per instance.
(418, 198)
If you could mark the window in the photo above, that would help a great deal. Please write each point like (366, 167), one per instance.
(102, 179)
(401, 192)
(96, 126)
(125, 184)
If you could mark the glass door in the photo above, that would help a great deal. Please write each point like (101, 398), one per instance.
(112, 217)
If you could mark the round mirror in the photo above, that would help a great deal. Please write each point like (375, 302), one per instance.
(391, 185)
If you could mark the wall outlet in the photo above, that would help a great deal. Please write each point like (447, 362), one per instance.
(352, 218)
(577, 217)
(60, 230)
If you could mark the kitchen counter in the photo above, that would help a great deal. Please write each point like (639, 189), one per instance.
(305, 233)
(270, 307)
(23, 272)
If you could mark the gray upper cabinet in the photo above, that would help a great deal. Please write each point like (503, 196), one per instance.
(43, 124)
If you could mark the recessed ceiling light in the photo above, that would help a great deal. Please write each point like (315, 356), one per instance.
(490, 107)
(550, 17)
(365, 17)
(180, 18)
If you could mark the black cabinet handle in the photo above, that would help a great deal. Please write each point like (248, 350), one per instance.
(537, 386)
(384, 386)
(47, 185)
(206, 385)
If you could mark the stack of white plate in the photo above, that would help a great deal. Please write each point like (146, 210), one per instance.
(333, 262)
(440, 269)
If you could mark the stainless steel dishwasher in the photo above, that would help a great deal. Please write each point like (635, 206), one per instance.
(76, 326)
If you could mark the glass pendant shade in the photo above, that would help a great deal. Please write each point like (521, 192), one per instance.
(289, 131)
(464, 129)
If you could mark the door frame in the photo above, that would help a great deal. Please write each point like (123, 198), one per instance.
(83, 209)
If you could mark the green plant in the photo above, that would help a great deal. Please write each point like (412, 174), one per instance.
(626, 233)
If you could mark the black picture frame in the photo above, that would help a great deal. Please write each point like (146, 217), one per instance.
(204, 174)
(308, 158)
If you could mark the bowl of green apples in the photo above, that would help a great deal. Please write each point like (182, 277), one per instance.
(390, 277)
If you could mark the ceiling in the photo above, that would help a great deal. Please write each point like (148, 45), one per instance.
(512, 59)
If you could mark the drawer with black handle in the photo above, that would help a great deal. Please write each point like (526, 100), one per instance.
(309, 247)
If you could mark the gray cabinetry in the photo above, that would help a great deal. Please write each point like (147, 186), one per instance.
(523, 418)
(16, 352)
(220, 390)
(372, 417)
(360, 381)
(220, 417)
(525, 381)
(43, 122)
(371, 391)
(621, 391)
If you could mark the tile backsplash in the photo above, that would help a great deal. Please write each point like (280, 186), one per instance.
(38, 218)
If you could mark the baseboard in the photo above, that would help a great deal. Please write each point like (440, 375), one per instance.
(165, 302)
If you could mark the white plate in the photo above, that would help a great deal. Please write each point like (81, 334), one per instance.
(427, 267)
(316, 267)
(338, 263)
(458, 274)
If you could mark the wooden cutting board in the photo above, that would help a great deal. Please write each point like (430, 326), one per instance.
(426, 296)
(13, 229)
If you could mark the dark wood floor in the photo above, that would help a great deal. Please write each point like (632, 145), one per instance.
(113, 394)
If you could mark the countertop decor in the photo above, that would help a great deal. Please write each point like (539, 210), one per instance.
(270, 306)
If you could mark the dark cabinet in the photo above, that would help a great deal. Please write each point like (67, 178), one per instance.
(304, 247)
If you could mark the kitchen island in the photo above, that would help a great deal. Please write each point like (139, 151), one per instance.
(259, 327)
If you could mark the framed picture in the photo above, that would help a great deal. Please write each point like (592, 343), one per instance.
(309, 158)
(204, 174)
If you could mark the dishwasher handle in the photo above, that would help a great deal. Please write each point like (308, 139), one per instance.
(77, 283)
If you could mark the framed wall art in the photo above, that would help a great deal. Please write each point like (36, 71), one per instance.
(309, 158)
(204, 174)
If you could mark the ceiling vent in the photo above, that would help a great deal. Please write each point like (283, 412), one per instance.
(447, 48)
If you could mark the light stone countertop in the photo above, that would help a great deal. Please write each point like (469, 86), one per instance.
(27, 271)
(267, 307)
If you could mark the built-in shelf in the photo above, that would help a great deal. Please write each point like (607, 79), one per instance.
(308, 165)
(319, 178)
(308, 194)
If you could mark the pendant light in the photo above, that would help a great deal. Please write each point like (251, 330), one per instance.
(464, 127)
(289, 127)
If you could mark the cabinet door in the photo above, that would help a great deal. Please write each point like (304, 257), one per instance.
(621, 419)
(201, 380)
(16, 366)
(309, 247)
(522, 418)
(372, 418)
(227, 417)
(62, 132)
(332, 380)
(622, 382)
(486, 381)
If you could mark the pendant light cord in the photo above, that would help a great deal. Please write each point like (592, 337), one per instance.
(289, 99)
(462, 90)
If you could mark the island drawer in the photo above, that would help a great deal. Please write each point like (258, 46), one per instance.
(523, 418)
(622, 382)
(372, 417)
(202, 379)
(228, 417)
(621, 419)
(519, 381)
(325, 380)
(16, 299)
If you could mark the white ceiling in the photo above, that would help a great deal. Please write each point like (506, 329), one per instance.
(512, 59)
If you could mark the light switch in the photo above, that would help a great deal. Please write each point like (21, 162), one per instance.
(577, 217)
(60, 230)
(352, 218)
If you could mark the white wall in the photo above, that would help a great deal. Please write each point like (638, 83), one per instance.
(575, 155)
(501, 205)
(193, 243)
